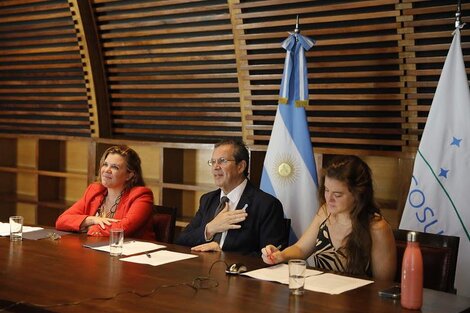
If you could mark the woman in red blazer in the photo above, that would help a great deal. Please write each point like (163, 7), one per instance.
(117, 200)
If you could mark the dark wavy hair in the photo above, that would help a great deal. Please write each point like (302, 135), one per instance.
(358, 177)
(240, 152)
(132, 160)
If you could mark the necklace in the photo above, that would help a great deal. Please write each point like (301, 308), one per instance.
(102, 212)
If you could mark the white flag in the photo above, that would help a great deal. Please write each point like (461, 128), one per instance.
(439, 197)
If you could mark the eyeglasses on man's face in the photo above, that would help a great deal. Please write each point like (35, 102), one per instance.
(219, 161)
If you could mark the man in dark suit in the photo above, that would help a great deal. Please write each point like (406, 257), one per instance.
(250, 219)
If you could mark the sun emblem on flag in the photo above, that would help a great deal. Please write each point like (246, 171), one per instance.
(285, 169)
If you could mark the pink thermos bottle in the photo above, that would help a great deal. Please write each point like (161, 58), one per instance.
(412, 275)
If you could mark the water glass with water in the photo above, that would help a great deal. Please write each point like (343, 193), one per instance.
(116, 241)
(297, 270)
(16, 228)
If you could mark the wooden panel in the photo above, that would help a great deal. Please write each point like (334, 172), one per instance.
(354, 70)
(28, 211)
(171, 69)
(429, 26)
(370, 84)
(201, 70)
(42, 85)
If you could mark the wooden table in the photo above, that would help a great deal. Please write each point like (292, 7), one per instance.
(51, 272)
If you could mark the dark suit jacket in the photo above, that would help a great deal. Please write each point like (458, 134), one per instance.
(263, 225)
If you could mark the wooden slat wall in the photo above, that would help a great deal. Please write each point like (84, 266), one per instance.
(42, 86)
(197, 71)
(354, 70)
(172, 69)
(427, 29)
(372, 74)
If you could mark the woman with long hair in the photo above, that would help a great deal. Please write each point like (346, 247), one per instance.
(348, 234)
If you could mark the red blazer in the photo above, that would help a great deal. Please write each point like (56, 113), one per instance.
(134, 212)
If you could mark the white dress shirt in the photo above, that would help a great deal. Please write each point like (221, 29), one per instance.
(234, 197)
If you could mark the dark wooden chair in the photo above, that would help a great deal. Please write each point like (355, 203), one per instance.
(164, 221)
(439, 259)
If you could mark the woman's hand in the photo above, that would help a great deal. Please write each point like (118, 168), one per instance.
(96, 220)
(271, 255)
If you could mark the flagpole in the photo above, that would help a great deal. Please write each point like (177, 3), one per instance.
(458, 15)
(297, 29)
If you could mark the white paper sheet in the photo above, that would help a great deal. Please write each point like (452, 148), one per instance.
(278, 273)
(130, 247)
(334, 284)
(5, 229)
(159, 257)
(314, 280)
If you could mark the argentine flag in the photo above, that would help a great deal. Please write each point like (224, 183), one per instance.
(439, 198)
(289, 171)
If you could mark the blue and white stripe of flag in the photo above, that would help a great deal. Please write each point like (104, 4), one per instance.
(289, 171)
(295, 68)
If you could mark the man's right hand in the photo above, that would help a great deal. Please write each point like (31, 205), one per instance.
(206, 247)
(225, 220)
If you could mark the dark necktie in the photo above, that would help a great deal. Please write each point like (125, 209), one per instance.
(220, 207)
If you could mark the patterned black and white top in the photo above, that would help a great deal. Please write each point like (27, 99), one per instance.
(326, 256)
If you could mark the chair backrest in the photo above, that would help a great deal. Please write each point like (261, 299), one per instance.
(164, 221)
(439, 258)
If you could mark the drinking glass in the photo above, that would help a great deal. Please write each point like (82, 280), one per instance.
(16, 228)
(116, 241)
(297, 270)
